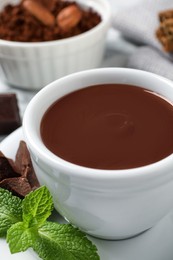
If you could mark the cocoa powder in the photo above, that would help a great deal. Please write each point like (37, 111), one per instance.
(19, 24)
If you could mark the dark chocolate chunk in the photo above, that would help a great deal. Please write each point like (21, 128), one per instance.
(18, 186)
(18, 176)
(6, 168)
(22, 159)
(24, 164)
(9, 113)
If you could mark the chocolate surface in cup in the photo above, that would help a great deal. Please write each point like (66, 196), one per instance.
(111, 126)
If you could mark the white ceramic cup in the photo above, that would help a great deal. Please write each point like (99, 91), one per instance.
(110, 204)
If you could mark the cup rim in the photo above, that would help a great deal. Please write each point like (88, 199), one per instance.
(147, 171)
(106, 17)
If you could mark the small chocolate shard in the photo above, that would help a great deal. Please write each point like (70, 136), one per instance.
(9, 113)
(29, 173)
(18, 176)
(18, 186)
(6, 168)
(24, 164)
(22, 159)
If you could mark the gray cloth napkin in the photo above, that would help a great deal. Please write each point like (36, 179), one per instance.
(138, 23)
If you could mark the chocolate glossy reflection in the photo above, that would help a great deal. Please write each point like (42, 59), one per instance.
(111, 126)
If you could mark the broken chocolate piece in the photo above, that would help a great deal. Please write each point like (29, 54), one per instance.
(19, 176)
(24, 164)
(22, 159)
(6, 168)
(18, 186)
(9, 113)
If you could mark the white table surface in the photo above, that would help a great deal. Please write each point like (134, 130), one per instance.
(116, 53)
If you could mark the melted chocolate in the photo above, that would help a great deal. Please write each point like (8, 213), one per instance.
(109, 126)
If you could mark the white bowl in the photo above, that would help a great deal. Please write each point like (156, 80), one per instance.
(110, 204)
(34, 65)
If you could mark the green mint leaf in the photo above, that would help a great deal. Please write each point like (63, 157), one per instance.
(63, 242)
(10, 210)
(37, 206)
(49, 239)
(20, 237)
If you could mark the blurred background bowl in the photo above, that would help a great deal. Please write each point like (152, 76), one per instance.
(34, 65)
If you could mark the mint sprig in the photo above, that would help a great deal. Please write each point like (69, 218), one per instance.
(27, 226)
